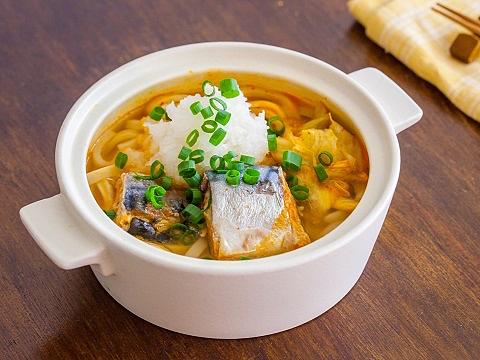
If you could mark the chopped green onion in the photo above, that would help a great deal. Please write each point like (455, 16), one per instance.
(209, 126)
(206, 112)
(244, 258)
(300, 192)
(292, 180)
(321, 172)
(236, 165)
(197, 156)
(230, 155)
(192, 137)
(186, 168)
(156, 191)
(177, 230)
(270, 131)
(184, 153)
(217, 136)
(229, 88)
(276, 125)
(110, 213)
(121, 160)
(157, 113)
(223, 117)
(251, 176)
(196, 107)
(325, 158)
(218, 104)
(155, 194)
(233, 177)
(247, 160)
(194, 180)
(194, 196)
(217, 163)
(166, 182)
(272, 142)
(154, 174)
(192, 213)
(189, 237)
(291, 160)
(208, 88)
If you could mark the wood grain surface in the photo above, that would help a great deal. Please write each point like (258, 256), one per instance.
(419, 295)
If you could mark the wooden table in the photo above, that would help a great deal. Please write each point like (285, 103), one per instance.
(419, 294)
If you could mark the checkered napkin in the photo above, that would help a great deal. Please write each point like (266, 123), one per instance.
(421, 38)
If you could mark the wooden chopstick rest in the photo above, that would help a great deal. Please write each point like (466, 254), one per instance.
(465, 48)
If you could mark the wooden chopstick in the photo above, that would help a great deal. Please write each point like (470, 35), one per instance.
(465, 17)
(473, 27)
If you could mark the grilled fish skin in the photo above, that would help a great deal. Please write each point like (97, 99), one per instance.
(139, 217)
(252, 220)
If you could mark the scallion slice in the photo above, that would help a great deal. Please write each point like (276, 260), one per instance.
(272, 142)
(217, 163)
(230, 155)
(292, 180)
(197, 156)
(177, 230)
(217, 137)
(321, 172)
(196, 107)
(276, 125)
(189, 237)
(325, 158)
(157, 113)
(166, 182)
(208, 88)
(223, 117)
(154, 195)
(156, 172)
(110, 213)
(300, 192)
(194, 196)
(229, 88)
(184, 153)
(236, 165)
(186, 168)
(247, 160)
(291, 160)
(233, 177)
(192, 137)
(194, 180)
(206, 112)
(121, 160)
(218, 104)
(192, 213)
(251, 176)
(209, 126)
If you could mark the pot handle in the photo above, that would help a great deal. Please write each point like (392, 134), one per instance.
(401, 110)
(61, 237)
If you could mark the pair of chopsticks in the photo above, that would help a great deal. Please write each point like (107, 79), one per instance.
(466, 21)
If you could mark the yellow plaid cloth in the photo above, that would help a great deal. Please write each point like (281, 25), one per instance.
(421, 39)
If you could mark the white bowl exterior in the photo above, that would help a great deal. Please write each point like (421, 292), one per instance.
(231, 299)
(232, 307)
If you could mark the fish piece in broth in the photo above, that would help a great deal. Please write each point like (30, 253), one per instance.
(139, 217)
(252, 220)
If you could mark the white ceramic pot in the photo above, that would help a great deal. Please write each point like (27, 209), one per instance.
(222, 299)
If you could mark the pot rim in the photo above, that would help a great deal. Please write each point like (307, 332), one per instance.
(110, 233)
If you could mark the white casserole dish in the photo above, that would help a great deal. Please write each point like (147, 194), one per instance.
(222, 299)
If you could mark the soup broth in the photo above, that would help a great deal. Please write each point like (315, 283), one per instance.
(288, 122)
